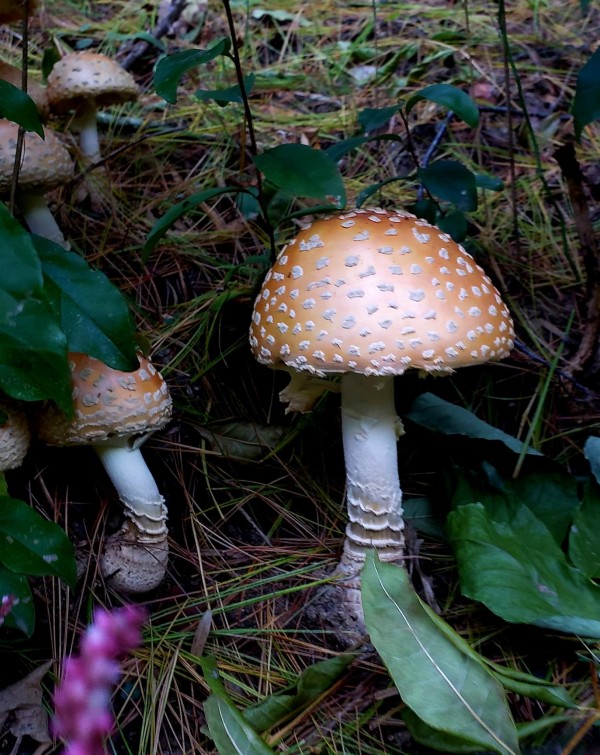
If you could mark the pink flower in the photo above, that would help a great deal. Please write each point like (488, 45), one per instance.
(6, 605)
(82, 701)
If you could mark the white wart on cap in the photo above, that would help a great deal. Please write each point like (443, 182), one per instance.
(377, 292)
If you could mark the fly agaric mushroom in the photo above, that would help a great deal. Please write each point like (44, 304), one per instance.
(84, 82)
(14, 436)
(369, 294)
(45, 165)
(115, 412)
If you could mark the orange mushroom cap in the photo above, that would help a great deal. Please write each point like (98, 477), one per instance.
(377, 292)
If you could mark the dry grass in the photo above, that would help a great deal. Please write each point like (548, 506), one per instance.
(250, 536)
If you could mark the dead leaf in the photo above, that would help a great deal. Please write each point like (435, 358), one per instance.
(21, 708)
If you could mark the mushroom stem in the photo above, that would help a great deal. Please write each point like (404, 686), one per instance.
(86, 122)
(38, 217)
(137, 490)
(370, 430)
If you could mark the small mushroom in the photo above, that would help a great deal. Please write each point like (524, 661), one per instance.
(367, 295)
(115, 412)
(14, 436)
(45, 165)
(84, 82)
(36, 91)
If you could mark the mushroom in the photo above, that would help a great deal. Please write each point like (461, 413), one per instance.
(36, 91)
(14, 436)
(369, 294)
(115, 412)
(83, 82)
(45, 165)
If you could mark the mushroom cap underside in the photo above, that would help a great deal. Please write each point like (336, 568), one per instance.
(377, 292)
(12, 10)
(108, 404)
(82, 75)
(45, 164)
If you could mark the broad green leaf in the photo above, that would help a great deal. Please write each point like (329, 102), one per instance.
(142, 36)
(449, 97)
(445, 688)
(491, 183)
(93, 313)
(302, 171)
(432, 412)
(584, 543)
(229, 94)
(435, 739)
(420, 513)
(22, 615)
(520, 573)
(586, 103)
(591, 450)
(33, 354)
(179, 210)
(451, 181)
(455, 223)
(312, 683)
(32, 545)
(18, 106)
(230, 732)
(511, 679)
(536, 689)
(171, 68)
(372, 118)
(551, 495)
(280, 15)
(339, 149)
(21, 269)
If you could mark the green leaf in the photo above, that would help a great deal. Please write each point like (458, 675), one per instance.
(586, 102)
(179, 210)
(171, 68)
(491, 183)
(452, 182)
(302, 171)
(344, 146)
(33, 353)
(18, 106)
(519, 572)
(551, 495)
(312, 683)
(32, 545)
(372, 118)
(591, 450)
(230, 94)
(455, 223)
(22, 614)
(445, 688)
(20, 265)
(229, 731)
(584, 545)
(435, 739)
(420, 514)
(92, 311)
(450, 97)
(438, 415)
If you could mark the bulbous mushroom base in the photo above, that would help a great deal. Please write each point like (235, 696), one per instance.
(134, 562)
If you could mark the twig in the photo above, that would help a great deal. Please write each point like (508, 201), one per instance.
(21, 132)
(161, 28)
(588, 248)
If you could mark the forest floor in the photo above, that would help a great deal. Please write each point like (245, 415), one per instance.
(255, 496)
